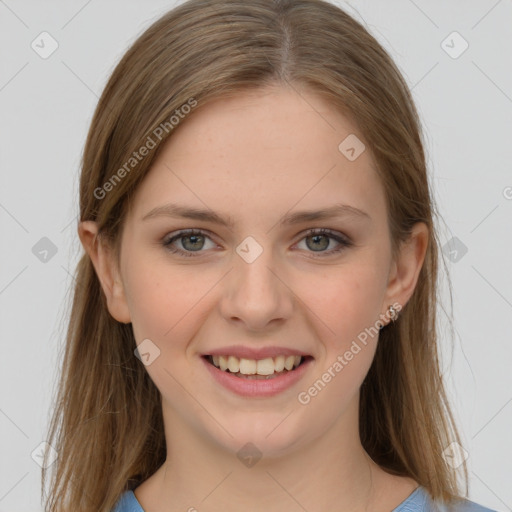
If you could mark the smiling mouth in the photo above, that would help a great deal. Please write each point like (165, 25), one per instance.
(262, 369)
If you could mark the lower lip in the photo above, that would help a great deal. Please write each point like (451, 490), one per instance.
(258, 387)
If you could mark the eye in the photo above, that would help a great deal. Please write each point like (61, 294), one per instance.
(316, 241)
(319, 239)
(191, 240)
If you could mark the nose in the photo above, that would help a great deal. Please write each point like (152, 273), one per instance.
(256, 293)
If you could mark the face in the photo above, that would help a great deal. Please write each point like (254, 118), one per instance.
(255, 279)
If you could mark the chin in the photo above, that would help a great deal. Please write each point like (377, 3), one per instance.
(261, 434)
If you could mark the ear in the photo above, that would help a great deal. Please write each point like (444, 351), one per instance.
(404, 272)
(102, 257)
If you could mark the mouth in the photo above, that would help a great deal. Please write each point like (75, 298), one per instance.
(257, 369)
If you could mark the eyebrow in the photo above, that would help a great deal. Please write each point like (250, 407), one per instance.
(179, 211)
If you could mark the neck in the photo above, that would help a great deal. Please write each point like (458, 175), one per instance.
(330, 472)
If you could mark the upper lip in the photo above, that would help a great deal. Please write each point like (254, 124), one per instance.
(255, 353)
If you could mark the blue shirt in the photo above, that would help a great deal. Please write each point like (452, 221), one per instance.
(418, 501)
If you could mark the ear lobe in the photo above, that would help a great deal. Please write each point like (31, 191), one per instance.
(104, 263)
(406, 270)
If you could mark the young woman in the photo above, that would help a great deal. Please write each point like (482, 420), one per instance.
(254, 318)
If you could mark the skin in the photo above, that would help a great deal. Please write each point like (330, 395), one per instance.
(257, 156)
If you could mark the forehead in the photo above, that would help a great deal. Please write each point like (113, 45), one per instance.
(262, 151)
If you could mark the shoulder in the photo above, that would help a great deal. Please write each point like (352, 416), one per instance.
(127, 503)
(420, 501)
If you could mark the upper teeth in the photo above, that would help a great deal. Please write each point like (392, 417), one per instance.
(252, 366)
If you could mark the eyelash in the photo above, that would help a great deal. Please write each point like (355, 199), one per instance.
(343, 241)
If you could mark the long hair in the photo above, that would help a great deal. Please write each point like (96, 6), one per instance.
(107, 424)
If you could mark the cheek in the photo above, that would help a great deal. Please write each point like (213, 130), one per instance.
(344, 300)
(346, 305)
(165, 302)
(151, 300)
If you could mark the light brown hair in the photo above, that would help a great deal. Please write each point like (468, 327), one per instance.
(107, 425)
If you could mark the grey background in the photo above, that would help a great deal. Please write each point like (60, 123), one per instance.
(466, 107)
